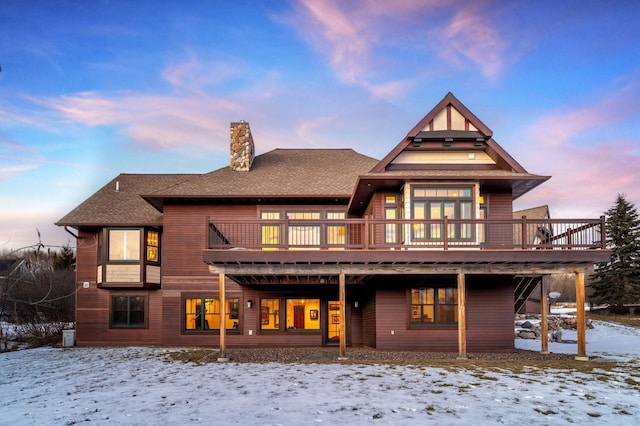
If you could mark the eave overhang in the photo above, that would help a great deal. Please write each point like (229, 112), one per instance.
(367, 185)
(159, 201)
(260, 267)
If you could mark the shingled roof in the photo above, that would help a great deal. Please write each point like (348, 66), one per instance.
(277, 174)
(118, 203)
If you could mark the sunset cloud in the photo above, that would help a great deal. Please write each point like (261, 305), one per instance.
(588, 170)
(168, 121)
(470, 36)
(353, 37)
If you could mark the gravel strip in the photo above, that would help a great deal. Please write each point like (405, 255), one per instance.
(369, 355)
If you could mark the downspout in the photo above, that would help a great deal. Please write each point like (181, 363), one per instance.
(66, 228)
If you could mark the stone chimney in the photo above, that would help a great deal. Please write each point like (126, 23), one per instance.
(242, 149)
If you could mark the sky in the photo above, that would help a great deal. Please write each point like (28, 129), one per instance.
(141, 386)
(89, 90)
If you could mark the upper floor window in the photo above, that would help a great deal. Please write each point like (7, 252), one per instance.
(336, 233)
(124, 244)
(391, 230)
(307, 234)
(435, 203)
(153, 245)
(301, 234)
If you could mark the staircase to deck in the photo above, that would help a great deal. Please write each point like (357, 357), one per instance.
(524, 287)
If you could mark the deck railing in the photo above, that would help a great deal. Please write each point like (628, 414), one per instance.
(380, 234)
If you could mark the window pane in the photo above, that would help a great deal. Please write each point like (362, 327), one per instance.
(270, 215)
(124, 244)
(270, 234)
(136, 307)
(427, 314)
(335, 234)
(270, 314)
(336, 215)
(304, 235)
(390, 199)
(153, 241)
(303, 215)
(119, 307)
(303, 314)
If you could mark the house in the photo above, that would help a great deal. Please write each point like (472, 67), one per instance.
(321, 247)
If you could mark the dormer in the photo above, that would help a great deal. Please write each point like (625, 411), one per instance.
(450, 144)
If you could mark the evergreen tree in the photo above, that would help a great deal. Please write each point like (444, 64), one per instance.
(65, 260)
(617, 281)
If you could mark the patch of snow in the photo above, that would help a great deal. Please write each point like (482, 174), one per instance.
(141, 386)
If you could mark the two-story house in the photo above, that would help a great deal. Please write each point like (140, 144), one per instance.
(318, 247)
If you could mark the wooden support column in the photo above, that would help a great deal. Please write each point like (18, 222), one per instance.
(343, 308)
(222, 356)
(544, 318)
(462, 317)
(581, 318)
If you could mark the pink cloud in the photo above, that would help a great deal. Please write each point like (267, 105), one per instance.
(353, 35)
(471, 36)
(169, 121)
(588, 170)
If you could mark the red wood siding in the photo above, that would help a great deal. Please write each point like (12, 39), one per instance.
(490, 314)
(369, 322)
(489, 319)
(186, 234)
(93, 319)
(500, 206)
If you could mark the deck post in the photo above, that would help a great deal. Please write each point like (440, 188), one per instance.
(544, 318)
(343, 307)
(581, 318)
(462, 317)
(222, 356)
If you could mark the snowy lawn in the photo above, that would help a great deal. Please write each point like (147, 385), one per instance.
(144, 386)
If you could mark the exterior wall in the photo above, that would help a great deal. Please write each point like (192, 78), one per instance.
(489, 319)
(186, 234)
(490, 313)
(369, 323)
(500, 206)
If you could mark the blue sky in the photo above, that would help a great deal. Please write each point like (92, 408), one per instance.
(92, 89)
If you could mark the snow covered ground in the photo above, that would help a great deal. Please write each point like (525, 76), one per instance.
(141, 386)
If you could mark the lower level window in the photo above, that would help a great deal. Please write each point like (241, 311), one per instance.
(128, 311)
(270, 314)
(202, 313)
(434, 305)
(303, 314)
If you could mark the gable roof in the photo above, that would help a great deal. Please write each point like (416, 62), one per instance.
(540, 212)
(278, 174)
(118, 203)
(447, 123)
(435, 148)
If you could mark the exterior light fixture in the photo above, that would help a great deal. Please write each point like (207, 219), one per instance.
(355, 304)
(249, 303)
